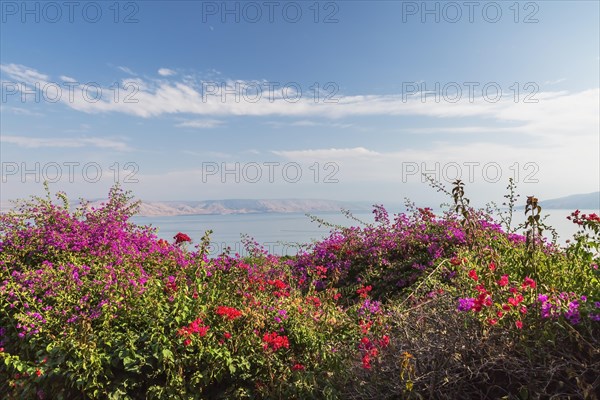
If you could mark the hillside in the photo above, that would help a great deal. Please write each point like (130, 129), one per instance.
(588, 201)
(242, 206)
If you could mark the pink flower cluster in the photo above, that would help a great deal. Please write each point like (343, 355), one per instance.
(513, 298)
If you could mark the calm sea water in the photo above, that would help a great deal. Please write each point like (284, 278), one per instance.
(281, 233)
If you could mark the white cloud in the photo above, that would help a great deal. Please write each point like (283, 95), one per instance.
(65, 78)
(209, 154)
(328, 154)
(556, 116)
(548, 171)
(308, 123)
(23, 74)
(166, 72)
(200, 124)
(458, 130)
(21, 111)
(554, 82)
(33, 142)
(126, 70)
(363, 173)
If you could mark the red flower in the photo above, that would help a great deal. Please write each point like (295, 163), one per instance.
(275, 342)
(473, 275)
(366, 361)
(181, 237)
(483, 299)
(38, 372)
(487, 301)
(528, 282)
(314, 300)
(227, 335)
(196, 326)
(365, 326)
(492, 266)
(523, 310)
(243, 265)
(385, 341)
(279, 284)
(321, 271)
(230, 313)
(202, 331)
(519, 324)
(514, 301)
(364, 291)
(297, 367)
(503, 281)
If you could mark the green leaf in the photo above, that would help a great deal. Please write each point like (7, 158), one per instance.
(167, 354)
(128, 361)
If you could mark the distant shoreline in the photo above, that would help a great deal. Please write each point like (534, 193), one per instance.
(589, 201)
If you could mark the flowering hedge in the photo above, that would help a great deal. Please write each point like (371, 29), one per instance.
(93, 306)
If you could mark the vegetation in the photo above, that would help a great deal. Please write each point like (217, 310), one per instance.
(416, 305)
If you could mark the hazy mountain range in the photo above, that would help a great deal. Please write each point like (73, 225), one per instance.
(248, 206)
(254, 206)
(244, 206)
(232, 206)
(589, 201)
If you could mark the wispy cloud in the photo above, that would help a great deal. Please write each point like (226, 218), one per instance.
(21, 111)
(478, 162)
(36, 142)
(560, 114)
(200, 124)
(126, 70)
(328, 154)
(166, 72)
(23, 74)
(209, 154)
(459, 130)
(65, 78)
(308, 123)
(554, 82)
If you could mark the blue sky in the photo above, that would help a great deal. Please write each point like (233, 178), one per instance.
(391, 72)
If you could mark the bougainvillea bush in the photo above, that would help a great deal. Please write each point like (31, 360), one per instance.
(93, 306)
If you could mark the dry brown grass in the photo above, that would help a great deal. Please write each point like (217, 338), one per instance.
(445, 354)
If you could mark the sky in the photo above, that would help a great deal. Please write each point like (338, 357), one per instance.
(341, 100)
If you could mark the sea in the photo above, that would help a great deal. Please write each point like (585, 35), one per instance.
(287, 233)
